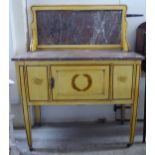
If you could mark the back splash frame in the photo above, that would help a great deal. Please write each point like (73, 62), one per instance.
(123, 42)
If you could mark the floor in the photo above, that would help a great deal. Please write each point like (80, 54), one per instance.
(82, 139)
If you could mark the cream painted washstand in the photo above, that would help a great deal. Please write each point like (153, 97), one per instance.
(79, 54)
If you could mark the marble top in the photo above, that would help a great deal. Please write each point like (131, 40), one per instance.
(77, 55)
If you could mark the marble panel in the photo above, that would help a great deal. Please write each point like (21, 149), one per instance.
(58, 27)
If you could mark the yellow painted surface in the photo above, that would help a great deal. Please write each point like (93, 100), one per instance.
(25, 106)
(82, 62)
(78, 82)
(84, 82)
(75, 47)
(134, 106)
(122, 81)
(79, 7)
(107, 82)
(37, 110)
(38, 83)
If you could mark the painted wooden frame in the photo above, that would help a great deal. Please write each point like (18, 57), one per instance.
(123, 45)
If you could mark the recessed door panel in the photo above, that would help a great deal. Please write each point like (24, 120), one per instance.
(76, 82)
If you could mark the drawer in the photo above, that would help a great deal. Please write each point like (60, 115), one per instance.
(122, 81)
(80, 82)
(37, 77)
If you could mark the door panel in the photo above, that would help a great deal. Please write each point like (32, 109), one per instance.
(38, 83)
(122, 81)
(77, 82)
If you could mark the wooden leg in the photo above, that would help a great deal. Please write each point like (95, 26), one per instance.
(134, 107)
(37, 110)
(27, 126)
(122, 114)
(25, 109)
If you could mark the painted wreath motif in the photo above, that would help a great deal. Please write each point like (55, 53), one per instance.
(79, 89)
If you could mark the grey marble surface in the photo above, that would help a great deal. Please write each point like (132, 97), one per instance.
(78, 55)
(58, 27)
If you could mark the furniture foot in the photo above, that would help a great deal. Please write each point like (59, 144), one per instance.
(31, 149)
(39, 124)
(128, 145)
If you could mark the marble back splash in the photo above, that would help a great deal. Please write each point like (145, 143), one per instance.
(98, 27)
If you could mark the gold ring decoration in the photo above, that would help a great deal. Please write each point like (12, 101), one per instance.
(84, 89)
(37, 81)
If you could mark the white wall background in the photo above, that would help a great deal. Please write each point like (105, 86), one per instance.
(20, 34)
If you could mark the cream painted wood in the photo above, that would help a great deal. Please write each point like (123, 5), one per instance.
(25, 106)
(38, 83)
(123, 81)
(134, 106)
(111, 82)
(37, 110)
(87, 82)
(80, 82)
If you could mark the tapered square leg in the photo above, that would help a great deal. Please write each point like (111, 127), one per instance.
(134, 106)
(27, 126)
(37, 110)
(25, 108)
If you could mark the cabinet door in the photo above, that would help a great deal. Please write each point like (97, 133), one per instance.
(122, 81)
(80, 82)
(37, 83)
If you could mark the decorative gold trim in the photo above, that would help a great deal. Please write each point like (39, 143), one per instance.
(34, 43)
(84, 89)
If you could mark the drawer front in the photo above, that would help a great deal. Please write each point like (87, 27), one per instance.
(38, 83)
(122, 82)
(77, 82)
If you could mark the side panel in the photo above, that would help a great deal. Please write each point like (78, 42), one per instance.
(38, 83)
(122, 81)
